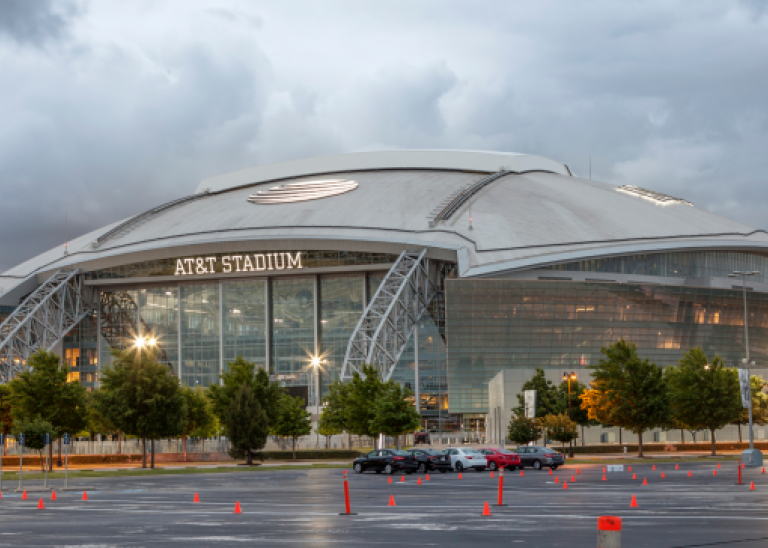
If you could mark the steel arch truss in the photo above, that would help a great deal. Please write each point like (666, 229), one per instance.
(389, 320)
(41, 321)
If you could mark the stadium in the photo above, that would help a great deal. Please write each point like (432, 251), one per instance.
(442, 268)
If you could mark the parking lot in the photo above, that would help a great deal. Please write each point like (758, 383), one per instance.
(301, 508)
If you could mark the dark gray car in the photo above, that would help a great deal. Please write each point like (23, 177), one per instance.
(539, 457)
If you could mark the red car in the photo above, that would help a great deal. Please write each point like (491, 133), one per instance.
(501, 458)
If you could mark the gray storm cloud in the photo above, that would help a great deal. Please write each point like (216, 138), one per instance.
(109, 108)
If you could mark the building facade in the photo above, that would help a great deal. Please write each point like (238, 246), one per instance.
(301, 266)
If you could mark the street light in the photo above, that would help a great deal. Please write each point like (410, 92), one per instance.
(751, 456)
(569, 378)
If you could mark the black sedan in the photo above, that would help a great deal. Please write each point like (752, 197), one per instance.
(388, 461)
(539, 457)
(431, 459)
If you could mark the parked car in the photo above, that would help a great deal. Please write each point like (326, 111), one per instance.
(431, 459)
(388, 461)
(501, 458)
(537, 457)
(421, 437)
(465, 457)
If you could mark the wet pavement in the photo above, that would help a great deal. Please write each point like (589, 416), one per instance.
(301, 508)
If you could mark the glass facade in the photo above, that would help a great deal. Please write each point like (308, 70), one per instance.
(80, 348)
(245, 321)
(159, 312)
(293, 325)
(341, 304)
(200, 350)
(694, 264)
(498, 324)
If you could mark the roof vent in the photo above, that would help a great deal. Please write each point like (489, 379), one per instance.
(303, 191)
(653, 196)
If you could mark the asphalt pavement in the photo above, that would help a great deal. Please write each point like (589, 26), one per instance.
(301, 508)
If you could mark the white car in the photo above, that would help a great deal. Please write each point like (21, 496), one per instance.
(463, 458)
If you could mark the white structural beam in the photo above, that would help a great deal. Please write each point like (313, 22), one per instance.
(391, 317)
(42, 320)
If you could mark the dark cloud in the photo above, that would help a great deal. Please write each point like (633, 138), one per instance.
(36, 22)
(149, 98)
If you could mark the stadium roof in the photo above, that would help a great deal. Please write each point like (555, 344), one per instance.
(531, 213)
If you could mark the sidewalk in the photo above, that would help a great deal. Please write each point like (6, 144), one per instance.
(107, 467)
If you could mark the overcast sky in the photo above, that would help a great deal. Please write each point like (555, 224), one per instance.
(111, 107)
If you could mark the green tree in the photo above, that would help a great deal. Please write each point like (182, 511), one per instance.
(626, 391)
(246, 423)
(548, 401)
(141, 398)
(292, 420)
(42, 391)
(560, 428)
(199, 416)
(242, 372)
(351, 404)
(703, 394)
(393, 413)
(34, 431)
(328, 427)
(523, 430)
(759, 405)
(577, 414)
(6, 414)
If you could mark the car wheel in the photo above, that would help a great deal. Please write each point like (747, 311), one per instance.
(388, 469)
(358, 468)
(537, 465)
(554, 467)
(459, 467)
(493, 466)
(422, 468)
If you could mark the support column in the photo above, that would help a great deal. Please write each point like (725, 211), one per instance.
(269, 323)
(221, 328)
(417, 390)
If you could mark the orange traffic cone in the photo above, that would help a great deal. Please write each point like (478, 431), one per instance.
(634, 476)
(714, 472)
(654, 467)
(389, 479)
(1, 494)
(237, 508)
(677, 466)
(565, 485)
(24, 495)
(577, 471)
(550, 471)
(402, 479)
(573, 478)
(690, 475)
(419, 482)
(486, 510)
(459, 475)
(427, 478)
(521, 473)
(391, 500)
(197, 499)
(557, 479)
(40, 505)
(604, 470)
(604, 479)
(629, 468)
(752, 486)
(763, 472)
(662, 475)
(85, 495)
(645, 481)
(491, 473)
(718, 465)
(53, 495)
(633, 504)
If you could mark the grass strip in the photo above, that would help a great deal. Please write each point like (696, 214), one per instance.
(11, 476)
(653, 460)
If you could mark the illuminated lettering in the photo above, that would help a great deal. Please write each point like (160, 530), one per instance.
(226, 264)
(269, 261)
(282, 259)
(261, 263)
(294, 263)
(247, 264)
(200, 269)
(180, 268)
(189, 263)
(237, 259)
(211, 264)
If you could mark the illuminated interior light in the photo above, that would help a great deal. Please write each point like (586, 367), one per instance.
(302, 191)
(653, 196)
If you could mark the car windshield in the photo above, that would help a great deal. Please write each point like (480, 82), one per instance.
(432, 452)
(505, 451)
(547, 450)
(472, 452)
(400, 453)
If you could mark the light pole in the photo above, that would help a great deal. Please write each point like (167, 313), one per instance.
(569, 378)
(751, 456)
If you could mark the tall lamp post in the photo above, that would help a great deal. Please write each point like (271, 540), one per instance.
(751, 456)
(569, 378)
